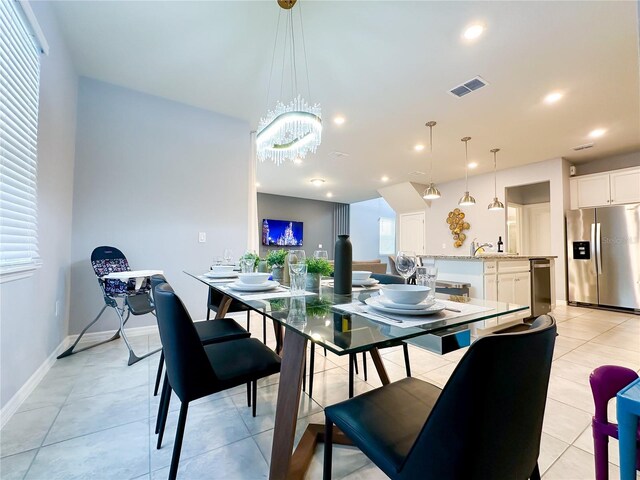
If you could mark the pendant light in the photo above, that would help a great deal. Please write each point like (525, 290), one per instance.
(466, 199)
(431, 193)
(496, 204)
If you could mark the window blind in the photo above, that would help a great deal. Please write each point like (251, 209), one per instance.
(19, 87)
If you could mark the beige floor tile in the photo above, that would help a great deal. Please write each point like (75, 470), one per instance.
(576, 464)
(571, 371)
(572, 393)
(550, 450)
(594, 355)
(440, 376)
(619, 338)
(585, 442)
(563, 421)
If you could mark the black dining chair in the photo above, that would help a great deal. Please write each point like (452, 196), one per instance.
(485, 423)
(195, 370)
(209, 332)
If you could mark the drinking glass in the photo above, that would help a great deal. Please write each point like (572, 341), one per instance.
(247, 265)
(297, 314)
(217, 260)
(321, 254)
(427, 276)
(297, 260)
(227, 256)
(406, 264)
(298, 278)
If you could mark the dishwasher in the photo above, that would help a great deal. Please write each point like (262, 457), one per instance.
(540, 286)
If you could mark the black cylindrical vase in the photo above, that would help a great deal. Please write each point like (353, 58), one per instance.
(342, 266)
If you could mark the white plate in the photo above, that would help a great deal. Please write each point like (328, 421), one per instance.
(221, 275)
(364, 283)
(374, 303)
(404, 306)
(261, 287)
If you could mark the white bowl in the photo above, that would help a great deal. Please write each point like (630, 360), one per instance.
(407, 294)
(222, 268)
(254, 278)
(360, 276)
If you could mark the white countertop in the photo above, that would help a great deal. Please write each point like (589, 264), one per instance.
(486, 256)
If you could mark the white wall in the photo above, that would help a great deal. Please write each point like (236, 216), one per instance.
(488, 225)
(365, 230)
(150, 174)
(29, 329)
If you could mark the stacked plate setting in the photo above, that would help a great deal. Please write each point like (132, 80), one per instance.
(405, 300)
(221, 271)
(254, 282)
(361, 278)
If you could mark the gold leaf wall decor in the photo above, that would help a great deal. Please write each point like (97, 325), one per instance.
(456, 221)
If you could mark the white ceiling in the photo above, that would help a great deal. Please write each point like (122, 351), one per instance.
(387, 67)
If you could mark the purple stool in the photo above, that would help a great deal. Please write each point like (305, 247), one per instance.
(605, 382)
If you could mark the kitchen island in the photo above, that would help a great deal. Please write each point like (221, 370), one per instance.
(493, 276)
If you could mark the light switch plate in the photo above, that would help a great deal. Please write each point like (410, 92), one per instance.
(202, 237)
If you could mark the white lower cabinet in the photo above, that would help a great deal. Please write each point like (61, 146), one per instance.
(491, 287)
(512, 288)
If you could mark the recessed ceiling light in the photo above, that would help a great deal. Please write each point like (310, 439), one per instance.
(473, 32)
(385, 178)
(339, 120)
(553, 97)
(472, 165)
(598, 132)
(329, 194)
(419, 147)
(297, 161)
(257, 184)
(317, 182)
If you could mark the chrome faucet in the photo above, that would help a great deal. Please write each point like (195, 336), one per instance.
(478, 247)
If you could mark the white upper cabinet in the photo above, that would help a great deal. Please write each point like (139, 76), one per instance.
(625, 186)
(603, 189)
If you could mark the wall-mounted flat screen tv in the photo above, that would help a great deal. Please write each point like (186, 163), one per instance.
(285, 233)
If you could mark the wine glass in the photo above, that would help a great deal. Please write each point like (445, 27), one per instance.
(296, 260)
(227, 256)
(406, 264)
(321, 254)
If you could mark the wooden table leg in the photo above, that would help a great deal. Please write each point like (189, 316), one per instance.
(223, 308)
(377, 361)
(289, 390)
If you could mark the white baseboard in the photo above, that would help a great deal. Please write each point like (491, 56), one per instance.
(30, 385)
(561, 303)
(21, 395)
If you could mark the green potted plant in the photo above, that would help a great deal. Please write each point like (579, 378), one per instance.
(316, 269)
(275, 260)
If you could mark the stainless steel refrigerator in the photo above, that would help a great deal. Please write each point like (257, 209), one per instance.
(603, 256)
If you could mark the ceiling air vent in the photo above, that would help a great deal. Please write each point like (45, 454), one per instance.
(417, 172)
(337, 154)
(472, 85)
(583, 147)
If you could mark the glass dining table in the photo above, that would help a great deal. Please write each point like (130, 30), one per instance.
(343, 324)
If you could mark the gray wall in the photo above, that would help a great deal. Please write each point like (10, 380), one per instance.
(529, 194)
(29, 329)
(614, 162)
(316, 215)
(365, 230)
(150, 174)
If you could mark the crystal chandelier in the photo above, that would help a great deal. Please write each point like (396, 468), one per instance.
(291, 130)
(466, 200)
(432, 192)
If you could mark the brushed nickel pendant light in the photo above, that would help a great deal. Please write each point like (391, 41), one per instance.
(432, 192)
(496, 204)
(466, 200)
